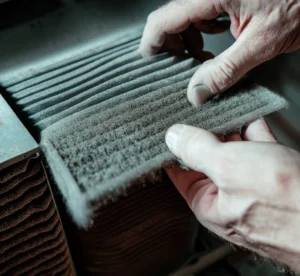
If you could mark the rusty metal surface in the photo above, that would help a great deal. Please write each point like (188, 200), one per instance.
(16, 143)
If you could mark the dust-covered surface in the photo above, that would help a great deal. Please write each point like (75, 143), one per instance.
(103, 116)
(110, 148)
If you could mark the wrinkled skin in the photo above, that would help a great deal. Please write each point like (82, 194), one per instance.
(245, 188)
(263, 29)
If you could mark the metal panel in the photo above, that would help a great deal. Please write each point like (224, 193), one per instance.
(16, 143)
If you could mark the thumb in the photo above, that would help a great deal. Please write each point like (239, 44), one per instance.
(196, 147)
(220, 73)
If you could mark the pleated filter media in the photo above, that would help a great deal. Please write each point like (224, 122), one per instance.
(151, 231)
(32, 240)
(103, 115)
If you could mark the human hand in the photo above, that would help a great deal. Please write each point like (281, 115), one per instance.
(245, 189)
(263, 29)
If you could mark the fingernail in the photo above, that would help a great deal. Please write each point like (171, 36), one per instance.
(172, 136)
(201, 94)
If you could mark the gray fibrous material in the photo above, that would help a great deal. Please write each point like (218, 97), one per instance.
(37, 75)
(96, 156)
(103, 117)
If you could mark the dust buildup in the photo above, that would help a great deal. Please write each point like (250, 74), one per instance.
(103, 117)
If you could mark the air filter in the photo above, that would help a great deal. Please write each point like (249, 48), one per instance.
(103, 116)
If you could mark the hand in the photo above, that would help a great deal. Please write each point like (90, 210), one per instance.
(245, 189)
(263, 29)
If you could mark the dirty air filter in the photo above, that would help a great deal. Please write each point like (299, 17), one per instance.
(103, 115)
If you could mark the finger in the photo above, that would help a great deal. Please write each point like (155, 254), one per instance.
(199, 192)
(197, 148)
(206, 56)
(258, 131)
(212, 26)
(202, 199)
(184, 181)
(195, 188)
(235, 137)
(173, 45)
(193, 41)
(175, 17)
(216, 75)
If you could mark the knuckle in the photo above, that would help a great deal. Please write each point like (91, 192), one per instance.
(248, 212)
(247, 224)
(151, 17)
(225, 75)
(180, 3)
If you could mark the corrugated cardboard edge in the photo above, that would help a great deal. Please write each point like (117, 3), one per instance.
(59, 217)
(78, 205)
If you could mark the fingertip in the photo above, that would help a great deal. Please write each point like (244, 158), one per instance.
(217, 75)
(140, 51)
(199, 90)
(151, 42)
(196, 147)
(172, 137)
(199, 94)
(147, 51)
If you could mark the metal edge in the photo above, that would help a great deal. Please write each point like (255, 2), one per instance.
(16, 143)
